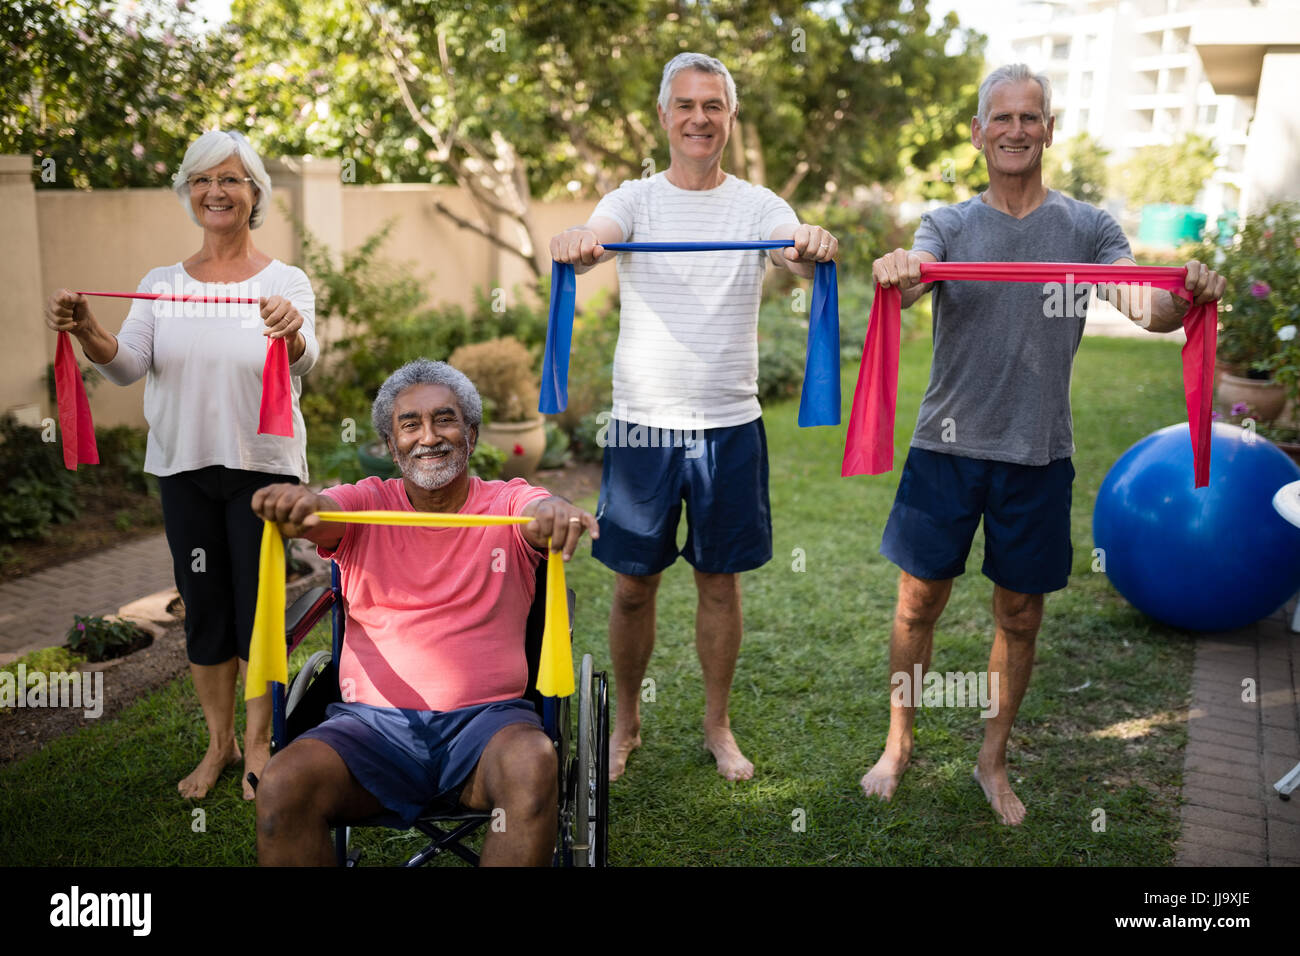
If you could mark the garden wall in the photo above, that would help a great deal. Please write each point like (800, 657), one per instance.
(108, 240)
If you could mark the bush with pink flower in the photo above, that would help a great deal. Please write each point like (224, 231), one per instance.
(1260, 312)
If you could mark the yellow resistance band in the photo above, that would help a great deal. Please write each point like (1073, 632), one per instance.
(268, 654)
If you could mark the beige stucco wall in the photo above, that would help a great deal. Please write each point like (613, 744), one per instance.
(108, 239)
(23, 358)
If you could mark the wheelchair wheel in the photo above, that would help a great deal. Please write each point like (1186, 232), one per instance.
(302, 680)
(592, 791)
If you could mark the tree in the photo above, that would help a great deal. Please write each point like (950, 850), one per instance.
(113, 98)
(1173, 173)
(518, 100)
(1077, 167)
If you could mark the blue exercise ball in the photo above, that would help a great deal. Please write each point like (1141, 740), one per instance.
(1207, 559)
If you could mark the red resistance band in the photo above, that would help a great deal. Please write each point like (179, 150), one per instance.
(78, 429)
(869, 445)
(274, 418)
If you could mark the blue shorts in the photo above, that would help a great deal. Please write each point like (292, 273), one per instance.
(1026, 512)
(409, 758)
(721, 474)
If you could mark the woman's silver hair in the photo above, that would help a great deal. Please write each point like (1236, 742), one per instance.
(1014, 73)
(703, 63)
(212, 148)
(425, 372)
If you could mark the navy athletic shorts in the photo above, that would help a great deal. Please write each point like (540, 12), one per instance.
(1026, 511)
(409, 758)
(721, 474)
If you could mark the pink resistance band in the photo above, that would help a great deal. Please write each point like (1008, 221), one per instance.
(275, 416)
(869, 445)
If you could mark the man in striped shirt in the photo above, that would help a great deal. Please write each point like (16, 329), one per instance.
(686, 420)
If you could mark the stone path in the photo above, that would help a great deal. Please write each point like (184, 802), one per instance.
(1237, 749)
(36, 611)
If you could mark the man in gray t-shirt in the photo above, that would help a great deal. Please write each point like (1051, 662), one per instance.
(994, 436)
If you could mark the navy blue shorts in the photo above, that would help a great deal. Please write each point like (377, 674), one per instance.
(1026, 512)
(409, 758)
(721, 474)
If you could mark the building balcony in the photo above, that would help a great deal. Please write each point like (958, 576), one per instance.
(1160, 101)
(1232, 45)
(1163, 61)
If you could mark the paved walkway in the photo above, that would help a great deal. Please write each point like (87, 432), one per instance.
(1105, 321)
(36, 611)
(1236, 748)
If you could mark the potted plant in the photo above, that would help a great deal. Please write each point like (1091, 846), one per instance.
(1258, 357)
(502, 371)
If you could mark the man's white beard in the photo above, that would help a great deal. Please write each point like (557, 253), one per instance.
(432, 474)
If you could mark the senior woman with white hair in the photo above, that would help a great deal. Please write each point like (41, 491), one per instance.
(203, 363)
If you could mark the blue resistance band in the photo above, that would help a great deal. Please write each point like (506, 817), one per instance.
(819, 403)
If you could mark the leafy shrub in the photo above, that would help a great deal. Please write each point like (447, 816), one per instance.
(47, 660)
(99, 639)
(865, 232)
(584, 444)
(38, 489)
(1260, 311)
(487, 461)
(384, 320)
(556, 454)
(502, 371)
(121, 459)
(781, 358)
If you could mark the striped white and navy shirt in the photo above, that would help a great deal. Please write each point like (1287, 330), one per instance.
(687, 353)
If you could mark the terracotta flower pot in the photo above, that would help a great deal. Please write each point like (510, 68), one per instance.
(1222, 368)
(523, 443)
(1265, 398)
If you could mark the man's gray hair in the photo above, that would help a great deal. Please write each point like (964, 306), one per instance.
(1014, 73)
(212, 148)
(425, 372)
(703, 63)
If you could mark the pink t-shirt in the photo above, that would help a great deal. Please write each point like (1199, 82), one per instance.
(435, 616)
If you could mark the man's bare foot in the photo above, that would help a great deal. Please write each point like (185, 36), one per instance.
(204, 776)
(621, 745)
(997, 790)
(883, 777)
(731, 762)
(256, 754)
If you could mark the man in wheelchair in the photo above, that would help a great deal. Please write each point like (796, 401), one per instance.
(433, 669)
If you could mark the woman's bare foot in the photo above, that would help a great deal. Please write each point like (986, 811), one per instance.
(204, 776)
(621, 745)
(882, 779)
(256, 754)
(997, 790)
(731, 762)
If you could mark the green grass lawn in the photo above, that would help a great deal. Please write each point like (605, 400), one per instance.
(1099, 728)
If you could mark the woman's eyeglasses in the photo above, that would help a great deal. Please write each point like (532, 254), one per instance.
(201, 183)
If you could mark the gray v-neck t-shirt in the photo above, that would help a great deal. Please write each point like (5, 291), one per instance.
(1004, 351)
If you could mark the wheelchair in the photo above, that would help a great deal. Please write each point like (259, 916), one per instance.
(583, 751)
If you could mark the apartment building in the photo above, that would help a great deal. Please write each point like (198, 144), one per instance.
(1127, 73)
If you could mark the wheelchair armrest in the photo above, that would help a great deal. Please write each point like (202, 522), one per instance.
(305, 612)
